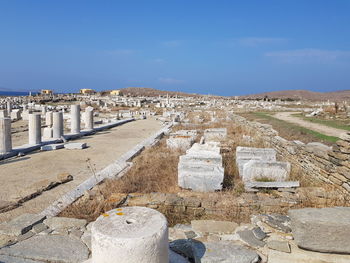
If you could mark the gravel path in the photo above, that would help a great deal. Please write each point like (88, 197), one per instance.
(287, 116)
(22, 176)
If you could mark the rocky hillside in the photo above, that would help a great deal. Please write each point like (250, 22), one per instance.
(303, 95)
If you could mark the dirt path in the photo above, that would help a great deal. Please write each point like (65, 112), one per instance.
(287, 116)
(21, 176)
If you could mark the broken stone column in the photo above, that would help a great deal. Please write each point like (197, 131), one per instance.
(34, 128)
(57, 125)
(75, 119)
(130, 235)
(89, 118)
(48, 118)
(5, 135)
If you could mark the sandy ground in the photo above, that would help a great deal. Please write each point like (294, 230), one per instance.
(21, 176)
(286, 116)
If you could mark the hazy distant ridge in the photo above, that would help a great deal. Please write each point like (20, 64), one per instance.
(303, 95)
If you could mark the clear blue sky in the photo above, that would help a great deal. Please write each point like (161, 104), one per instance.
(217, 47)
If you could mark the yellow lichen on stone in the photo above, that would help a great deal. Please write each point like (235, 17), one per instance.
(105, 214)
(119, 214)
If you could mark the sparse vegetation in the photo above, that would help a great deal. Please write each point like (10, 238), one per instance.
(288, 130)
(338, 124)
(155, 170)
(264, 179)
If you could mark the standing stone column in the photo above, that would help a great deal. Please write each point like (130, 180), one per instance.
(89, 118)
(8, 108)
(34, 128)
(5, 135)
(75, 119)
(57, 125)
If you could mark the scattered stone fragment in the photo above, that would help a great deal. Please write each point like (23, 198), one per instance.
(270, 185)
(248, 237)
(182, 247)
(39, 228)
(279, 222)
(21, 154)
(75, 146)
(49, 248)
(64, 177)
(20, 224)
(225, 252)
(322, 229)
(258, 233)
(56, 223)
(298, 255)
(176, 258)
(282, 246)
(25, 236)
(214, 227)
(51, 147)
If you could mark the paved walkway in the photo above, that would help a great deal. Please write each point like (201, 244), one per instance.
(22, 176)
(287, 116)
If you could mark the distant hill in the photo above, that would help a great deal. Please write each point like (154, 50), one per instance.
(302, 95)
(153, 92)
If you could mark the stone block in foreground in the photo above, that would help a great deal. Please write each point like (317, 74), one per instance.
(224, 252)
(21, 224)
(48, 248)
(322, 229)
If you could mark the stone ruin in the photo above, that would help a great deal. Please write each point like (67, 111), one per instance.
(201, 169)
(182, 139)
(140, 234)
(259, 163)
(215, 134)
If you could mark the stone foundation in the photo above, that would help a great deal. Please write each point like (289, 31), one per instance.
(317, 162)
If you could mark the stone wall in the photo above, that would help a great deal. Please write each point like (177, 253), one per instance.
(226, 205)
(316, 161)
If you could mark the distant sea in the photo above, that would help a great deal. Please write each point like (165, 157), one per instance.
(14, 93)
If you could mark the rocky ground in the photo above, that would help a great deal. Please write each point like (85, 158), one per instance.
(272, 238)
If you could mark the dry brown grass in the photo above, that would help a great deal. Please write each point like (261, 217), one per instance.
(155, 170)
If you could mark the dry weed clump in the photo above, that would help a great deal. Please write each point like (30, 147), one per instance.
(155, 170)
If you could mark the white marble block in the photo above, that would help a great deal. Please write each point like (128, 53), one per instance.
(274, 171)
